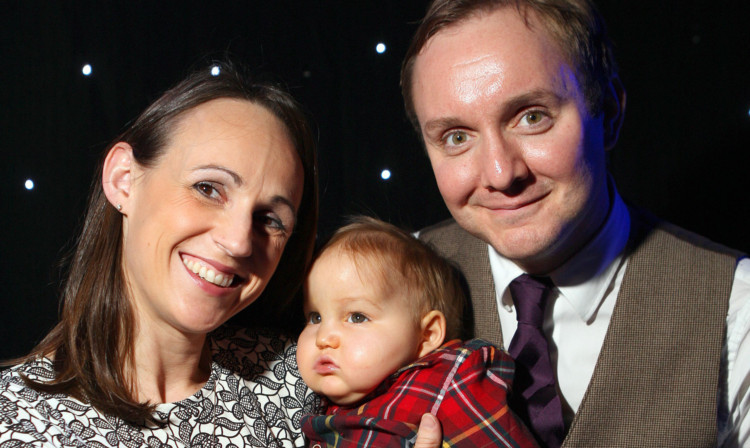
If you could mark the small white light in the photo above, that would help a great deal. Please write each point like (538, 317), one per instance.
(215, 70)
(380, 48)
(86, 70)
(385, 174)
(29, 184)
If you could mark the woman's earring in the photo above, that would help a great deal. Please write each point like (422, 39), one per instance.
(119, 207)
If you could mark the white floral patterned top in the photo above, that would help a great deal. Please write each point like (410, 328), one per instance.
(253, 398)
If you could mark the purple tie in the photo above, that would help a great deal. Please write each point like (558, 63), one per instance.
(534, 396)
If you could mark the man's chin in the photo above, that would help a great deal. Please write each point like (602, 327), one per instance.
(525, 246)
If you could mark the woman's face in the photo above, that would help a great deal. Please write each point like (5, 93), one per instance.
(206, 226)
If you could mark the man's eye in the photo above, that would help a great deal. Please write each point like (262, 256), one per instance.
(313, 318)
(457, 138)
(357, 318)
(533, 118)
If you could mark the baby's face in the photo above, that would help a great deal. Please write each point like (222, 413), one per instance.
(358, 330)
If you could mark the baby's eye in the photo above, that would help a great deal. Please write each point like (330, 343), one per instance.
(313, 318)
(207, 189)
(357, 318)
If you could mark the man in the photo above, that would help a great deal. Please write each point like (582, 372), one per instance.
(647, 326)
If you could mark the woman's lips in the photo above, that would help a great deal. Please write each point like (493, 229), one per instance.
(207, 272)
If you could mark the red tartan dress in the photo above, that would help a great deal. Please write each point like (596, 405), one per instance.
(463, 384)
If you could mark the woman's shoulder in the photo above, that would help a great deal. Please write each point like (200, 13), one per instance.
(236, 348)
(251, 340)
(261, 364)
(27, 416)
(12, 378)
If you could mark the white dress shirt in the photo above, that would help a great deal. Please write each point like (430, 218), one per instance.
(579, 311)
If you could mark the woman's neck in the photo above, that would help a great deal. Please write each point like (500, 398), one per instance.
(169, 365)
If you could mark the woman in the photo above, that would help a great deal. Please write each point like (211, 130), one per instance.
(206, 201)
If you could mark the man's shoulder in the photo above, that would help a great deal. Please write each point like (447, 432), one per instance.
(448, 237)
(448, 226)
(647, 225)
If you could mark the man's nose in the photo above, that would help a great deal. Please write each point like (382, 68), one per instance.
(501, 163)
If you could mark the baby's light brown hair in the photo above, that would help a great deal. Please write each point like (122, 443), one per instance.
(403, 260)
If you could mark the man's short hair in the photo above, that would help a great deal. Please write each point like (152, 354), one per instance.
(575, 25)
(401, 259)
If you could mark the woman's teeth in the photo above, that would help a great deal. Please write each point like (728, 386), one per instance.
(208, 274)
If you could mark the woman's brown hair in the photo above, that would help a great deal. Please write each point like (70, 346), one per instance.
(92, 345)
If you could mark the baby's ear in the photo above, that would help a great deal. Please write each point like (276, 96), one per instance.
(433, 332)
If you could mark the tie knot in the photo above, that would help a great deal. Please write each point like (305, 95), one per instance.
(529, 297)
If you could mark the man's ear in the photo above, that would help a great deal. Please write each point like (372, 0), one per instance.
(433, 332)
(614, 111)
(117, 175)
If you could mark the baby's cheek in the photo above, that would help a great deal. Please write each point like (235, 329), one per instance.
(304, 362)
(365, 356)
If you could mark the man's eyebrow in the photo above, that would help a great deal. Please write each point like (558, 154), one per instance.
(439, 124)
(235, 177)
(549, 97)
(510, 106)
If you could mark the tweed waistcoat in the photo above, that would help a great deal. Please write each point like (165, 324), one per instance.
(657, 376)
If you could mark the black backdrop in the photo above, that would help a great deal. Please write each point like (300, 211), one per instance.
(681, 151)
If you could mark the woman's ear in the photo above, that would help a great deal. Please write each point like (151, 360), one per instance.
(433, 332)
(117, 175)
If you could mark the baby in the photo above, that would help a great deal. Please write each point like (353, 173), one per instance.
(379, 304)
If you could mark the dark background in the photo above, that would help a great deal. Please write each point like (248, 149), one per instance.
(681, 152)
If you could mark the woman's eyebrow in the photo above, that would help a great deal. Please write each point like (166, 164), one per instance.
(284, 201)
(235, 177)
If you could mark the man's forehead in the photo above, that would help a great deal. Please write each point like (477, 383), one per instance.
(523, 19)
(496, 53)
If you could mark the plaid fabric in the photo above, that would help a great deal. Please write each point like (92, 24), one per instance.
(464, 385)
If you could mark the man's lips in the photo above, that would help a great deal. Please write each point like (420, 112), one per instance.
(325, 365)
(508, 205)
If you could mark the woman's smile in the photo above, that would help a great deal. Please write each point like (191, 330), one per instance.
(212, 217)
(206, 271)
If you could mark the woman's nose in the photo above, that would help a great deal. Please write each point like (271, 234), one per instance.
(234, 234)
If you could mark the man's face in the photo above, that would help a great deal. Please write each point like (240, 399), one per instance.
(518, 158)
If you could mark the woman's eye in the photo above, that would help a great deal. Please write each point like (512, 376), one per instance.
(270, 221)
(357, 318)
(208, 190)
(457, 138)
(313, 318)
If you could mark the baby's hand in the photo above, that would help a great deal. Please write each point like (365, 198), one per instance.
(429, 434)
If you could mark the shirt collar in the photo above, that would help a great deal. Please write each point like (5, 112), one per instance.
(584, 279)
